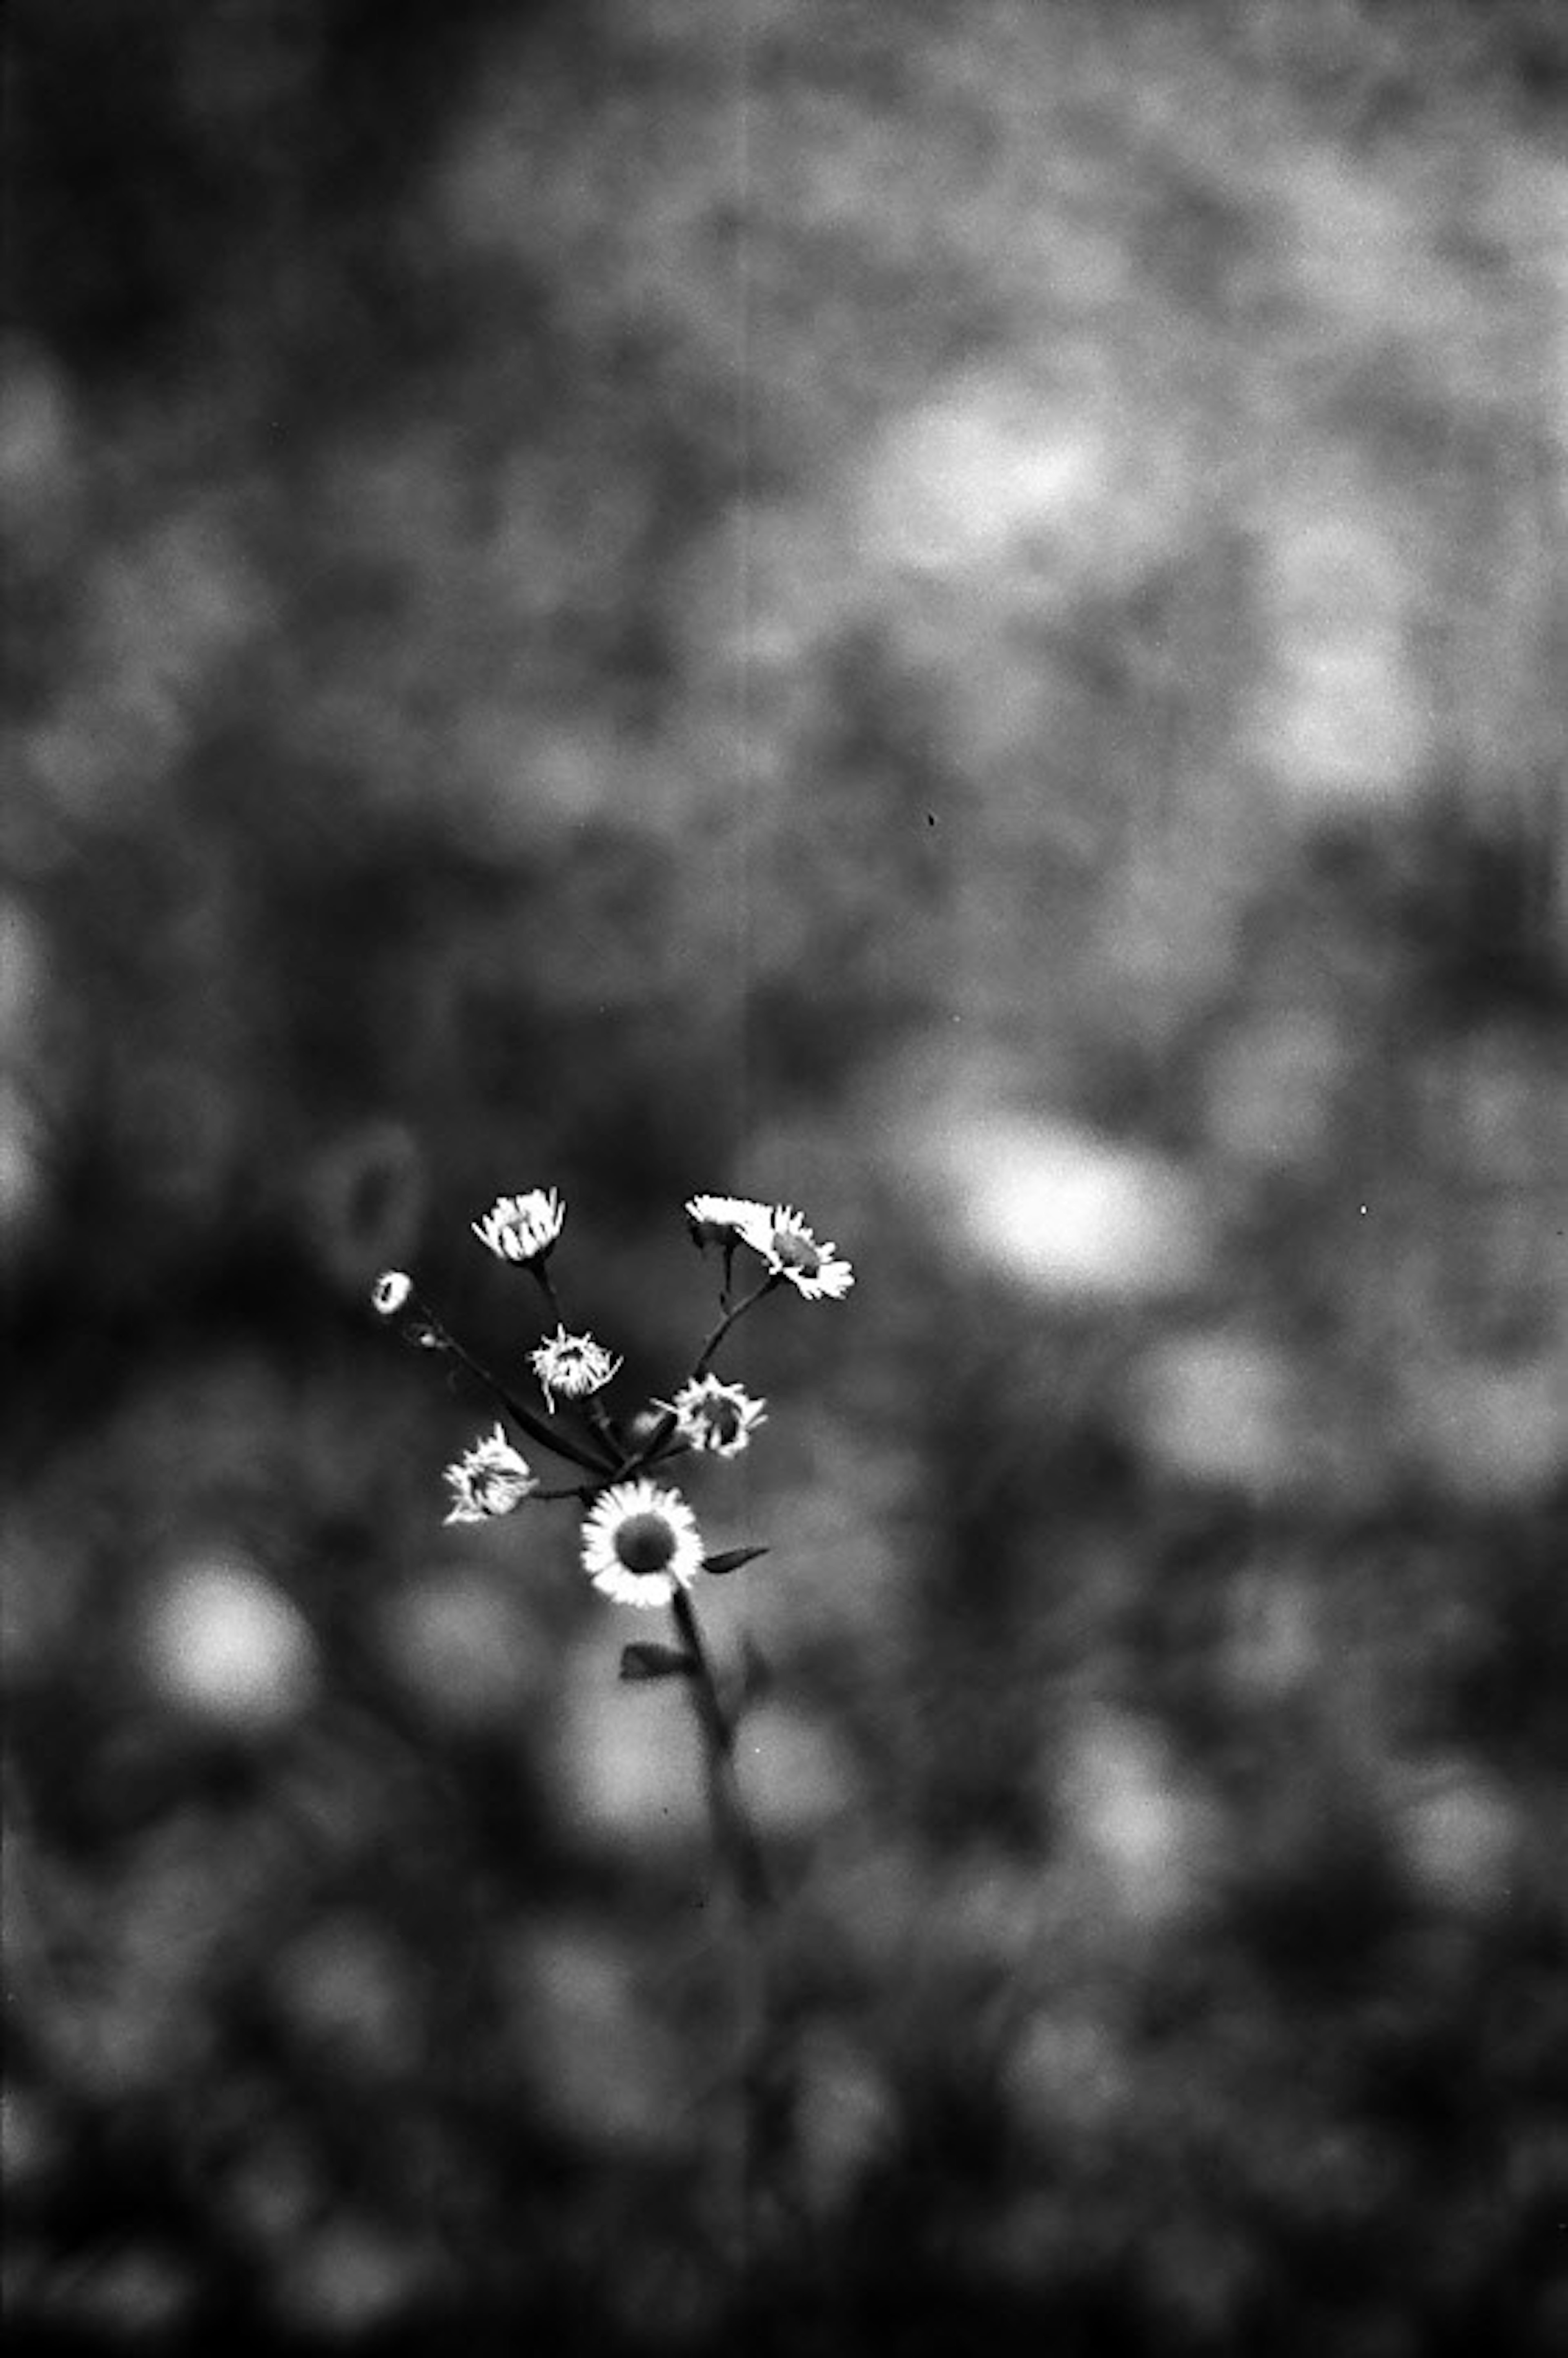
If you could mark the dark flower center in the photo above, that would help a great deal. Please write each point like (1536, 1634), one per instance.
(796, 1253)
(645, 1543)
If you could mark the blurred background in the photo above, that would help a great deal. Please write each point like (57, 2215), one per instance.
(954, 614)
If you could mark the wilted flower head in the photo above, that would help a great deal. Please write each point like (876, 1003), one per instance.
(573, 1365)
(720, 1219)
(522, 1227)
(390, 1292)
(710, 1414)
(792, 1252)
(488, 1479)
(640, 1543)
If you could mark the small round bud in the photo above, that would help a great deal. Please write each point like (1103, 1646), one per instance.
(390, 1292)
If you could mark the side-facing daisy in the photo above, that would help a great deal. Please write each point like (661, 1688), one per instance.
(572, 1365)
(640, 1543)
(710, 1414)
(522, 1227)
(720, 1219)
(488, 1479)
(792, 1252)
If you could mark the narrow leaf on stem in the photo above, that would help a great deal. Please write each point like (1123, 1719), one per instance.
(648, 1661)
(730, 1560)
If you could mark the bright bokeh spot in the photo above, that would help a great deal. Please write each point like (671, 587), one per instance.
(629, 1767)
(1065, 1208)
(1344, 716)
(1148, 1834)
(1459, 1835)
(978, 470)
(589, 2039)
(223, 1641)
(461, 1641)
(797, 1775)
(1222, 1406)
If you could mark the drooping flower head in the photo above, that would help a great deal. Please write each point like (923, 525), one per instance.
(390, 1292)
(710, 1414)
(572, 1365)
(640, 1543)
(720, 1219)
(792, 1252)
(522, 1229)
(488, 1479)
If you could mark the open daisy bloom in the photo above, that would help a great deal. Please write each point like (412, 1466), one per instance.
(572, 1365)
(710, 1414)
(792, 1252)
(522, 1229)
(641, 1543)
(720, 1219)
(488, 1479)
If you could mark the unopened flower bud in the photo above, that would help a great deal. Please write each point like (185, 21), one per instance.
(390, 1292)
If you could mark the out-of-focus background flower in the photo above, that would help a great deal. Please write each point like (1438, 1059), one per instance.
(949, 613)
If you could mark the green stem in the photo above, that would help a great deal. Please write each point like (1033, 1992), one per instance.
(731, 1818)
(598, 1418)
(547, 1286)
(654, 1447)
(705, 1357)
(525, 1418)
(735, 1838)
(592, 1410)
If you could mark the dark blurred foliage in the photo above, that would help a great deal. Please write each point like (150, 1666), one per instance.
(950, 614)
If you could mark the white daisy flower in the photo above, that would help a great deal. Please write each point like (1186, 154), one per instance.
(640, 1543)
(390, 1292)
(791, 1251)
(573, 1365)
(522, 1227)
(488, 1479)
(720, 1219)
(713, 1415)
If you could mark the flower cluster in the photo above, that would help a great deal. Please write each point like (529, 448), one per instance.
(640, 1542)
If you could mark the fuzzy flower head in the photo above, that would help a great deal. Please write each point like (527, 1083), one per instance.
(792, 1252)
(640, 1543)
(720, 1219)
(390, 1292)
(488, 1479)
(710, 1414)
(572, 1365)
(522, 1229)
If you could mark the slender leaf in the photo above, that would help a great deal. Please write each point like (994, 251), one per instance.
(731, 1559)
(638, 1662)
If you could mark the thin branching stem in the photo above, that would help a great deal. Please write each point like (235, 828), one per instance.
(547, 1286)
(655, 1447)
(593, 1410)
(525, 1418)
(747, 1300)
